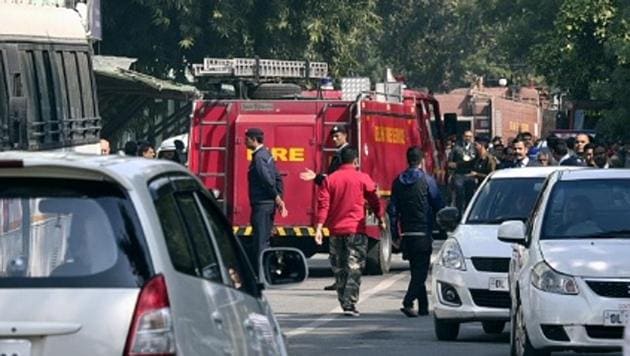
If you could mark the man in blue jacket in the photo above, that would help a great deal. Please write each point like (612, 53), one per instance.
(414, 201)
(265, 193)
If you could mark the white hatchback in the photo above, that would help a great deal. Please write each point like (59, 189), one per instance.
(469, 277)
(126, 256)
(570, 270)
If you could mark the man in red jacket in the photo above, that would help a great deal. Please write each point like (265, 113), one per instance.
(341, 207)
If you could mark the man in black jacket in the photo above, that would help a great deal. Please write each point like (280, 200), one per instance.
(414, 201)
(265, 193)
(339, 136)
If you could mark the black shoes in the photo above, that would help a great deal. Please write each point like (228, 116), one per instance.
(409, 312)
(331, 287)
(351, 311)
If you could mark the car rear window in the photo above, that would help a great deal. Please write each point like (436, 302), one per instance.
(504, 199)
(69, 233)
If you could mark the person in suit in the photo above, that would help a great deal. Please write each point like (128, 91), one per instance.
(522, 158)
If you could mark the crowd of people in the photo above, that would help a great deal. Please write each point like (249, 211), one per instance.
(172, 151)
(473, 158)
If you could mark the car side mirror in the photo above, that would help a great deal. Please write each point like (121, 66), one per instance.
(281, 266)
(512, 231)
(448, 218)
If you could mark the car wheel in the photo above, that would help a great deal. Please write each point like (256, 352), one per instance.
(445, 330)
(493, 327)
(519, 341)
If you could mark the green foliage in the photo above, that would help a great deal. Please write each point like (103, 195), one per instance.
(581, 47)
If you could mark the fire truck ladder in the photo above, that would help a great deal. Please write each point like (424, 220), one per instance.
(223, 121)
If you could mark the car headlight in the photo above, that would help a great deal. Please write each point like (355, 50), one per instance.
(548, 280)
(452, 256)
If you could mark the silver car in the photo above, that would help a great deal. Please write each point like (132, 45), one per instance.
(126, 256)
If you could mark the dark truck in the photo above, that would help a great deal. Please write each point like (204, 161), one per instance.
(47, 88)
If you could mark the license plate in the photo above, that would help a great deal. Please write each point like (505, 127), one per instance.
(498, 284)
(616, 317)
(15, 347)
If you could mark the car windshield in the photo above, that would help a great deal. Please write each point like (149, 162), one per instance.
(588, 209)
(504, 199)
(64, 233)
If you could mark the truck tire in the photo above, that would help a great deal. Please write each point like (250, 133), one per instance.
(379, 254)
(275, 91)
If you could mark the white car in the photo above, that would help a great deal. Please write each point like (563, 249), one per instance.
(469, 277)
(107, 255)
(570, 270)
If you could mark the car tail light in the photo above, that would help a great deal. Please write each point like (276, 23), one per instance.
(151, 331)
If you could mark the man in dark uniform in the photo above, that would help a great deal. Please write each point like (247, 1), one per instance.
(339, 136)
(265, 193)
(414, 201)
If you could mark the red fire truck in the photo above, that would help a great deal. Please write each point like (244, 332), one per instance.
(382, 124)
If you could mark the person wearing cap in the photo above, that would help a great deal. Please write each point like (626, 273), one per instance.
(265, 194)
(169, 152)
(339, 136)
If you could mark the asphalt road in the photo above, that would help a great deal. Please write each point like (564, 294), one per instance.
(311, 319)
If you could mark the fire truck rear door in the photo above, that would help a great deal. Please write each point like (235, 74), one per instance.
(291, 140)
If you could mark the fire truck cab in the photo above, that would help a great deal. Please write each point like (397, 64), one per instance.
(381, 123)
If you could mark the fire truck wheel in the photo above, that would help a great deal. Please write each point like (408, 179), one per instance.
(275, 91)
(379, 255)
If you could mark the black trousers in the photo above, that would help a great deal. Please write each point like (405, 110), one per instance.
(262, 224)
(418, 252)
(464, 188)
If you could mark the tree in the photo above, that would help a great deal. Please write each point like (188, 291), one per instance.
(338, 32)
